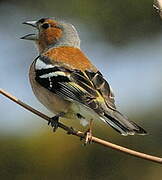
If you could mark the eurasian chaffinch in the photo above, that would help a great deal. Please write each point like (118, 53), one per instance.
(67, 83)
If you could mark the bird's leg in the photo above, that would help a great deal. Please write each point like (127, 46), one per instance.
(55, 121)
(88, 133)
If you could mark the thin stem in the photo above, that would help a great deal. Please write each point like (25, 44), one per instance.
(81, 134)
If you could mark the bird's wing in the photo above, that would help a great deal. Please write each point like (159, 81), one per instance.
(85, 87)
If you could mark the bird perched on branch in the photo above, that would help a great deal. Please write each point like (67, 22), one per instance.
(68, 84)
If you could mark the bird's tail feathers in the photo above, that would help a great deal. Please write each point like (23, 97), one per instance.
(122, 125)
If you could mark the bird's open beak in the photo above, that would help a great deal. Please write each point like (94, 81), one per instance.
(31, 23)
(32, 37)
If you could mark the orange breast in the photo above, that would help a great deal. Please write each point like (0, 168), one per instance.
(70, 56)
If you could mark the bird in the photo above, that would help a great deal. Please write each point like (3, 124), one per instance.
(157, 5)
(66, 82)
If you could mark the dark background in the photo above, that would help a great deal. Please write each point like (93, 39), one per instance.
(124, 40)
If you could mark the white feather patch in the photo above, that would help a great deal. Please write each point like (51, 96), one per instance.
(42, 65)
(48, 75)
(83, 122)
(53, 74)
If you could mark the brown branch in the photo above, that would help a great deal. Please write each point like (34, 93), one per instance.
(80, 134)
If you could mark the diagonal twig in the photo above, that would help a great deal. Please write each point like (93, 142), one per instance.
(81, 134)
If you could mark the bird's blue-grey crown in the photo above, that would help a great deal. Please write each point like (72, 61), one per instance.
(70, 36)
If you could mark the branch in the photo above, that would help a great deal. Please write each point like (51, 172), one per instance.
(81, 134)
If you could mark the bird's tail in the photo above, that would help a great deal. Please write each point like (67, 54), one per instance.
(122, 125)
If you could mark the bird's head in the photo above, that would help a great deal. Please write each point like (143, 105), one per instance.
(52, 33)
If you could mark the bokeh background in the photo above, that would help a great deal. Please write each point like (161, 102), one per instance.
(124, 40)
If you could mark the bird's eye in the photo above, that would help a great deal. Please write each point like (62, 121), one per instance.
(45, 26)
(41, 20)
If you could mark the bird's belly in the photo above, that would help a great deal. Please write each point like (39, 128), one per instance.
(51, 101)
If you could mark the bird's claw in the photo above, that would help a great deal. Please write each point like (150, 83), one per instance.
(54, 123)
(88, 138)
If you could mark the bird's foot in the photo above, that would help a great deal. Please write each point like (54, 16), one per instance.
(88, 137)
(54, 122)
(88, 134)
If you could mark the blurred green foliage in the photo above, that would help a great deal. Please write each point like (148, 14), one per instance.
(119, 21)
